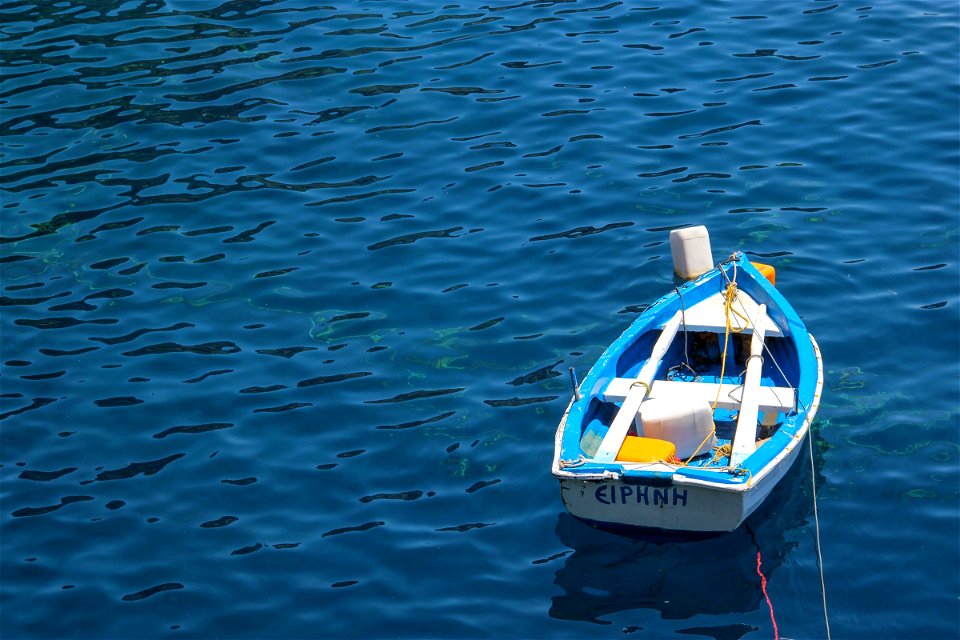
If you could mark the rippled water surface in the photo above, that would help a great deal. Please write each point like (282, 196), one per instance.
(290, 291)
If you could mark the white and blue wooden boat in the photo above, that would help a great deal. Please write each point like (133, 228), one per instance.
(691, 417)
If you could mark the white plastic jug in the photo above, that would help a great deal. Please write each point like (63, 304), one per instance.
(690, 247)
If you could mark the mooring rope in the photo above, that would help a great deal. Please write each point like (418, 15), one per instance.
(816, 529)
(763, 587)
(763, 580)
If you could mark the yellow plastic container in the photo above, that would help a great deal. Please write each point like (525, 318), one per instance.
(636, 449)
(768, 271)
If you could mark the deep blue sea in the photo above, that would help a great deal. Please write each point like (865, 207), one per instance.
(290, 290)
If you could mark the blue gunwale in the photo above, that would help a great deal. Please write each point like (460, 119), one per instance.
(803, 376)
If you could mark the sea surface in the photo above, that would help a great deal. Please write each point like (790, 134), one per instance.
(290, 291)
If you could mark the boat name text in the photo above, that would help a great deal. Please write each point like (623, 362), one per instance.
(657, 496)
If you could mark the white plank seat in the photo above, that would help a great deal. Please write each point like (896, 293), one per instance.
(709, 315)
(750, 398)
(637, 391)
(769, 399)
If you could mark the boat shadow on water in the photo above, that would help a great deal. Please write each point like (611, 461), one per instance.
(681, 575)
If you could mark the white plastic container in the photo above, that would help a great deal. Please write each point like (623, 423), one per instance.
(691, 252)
(685, 424)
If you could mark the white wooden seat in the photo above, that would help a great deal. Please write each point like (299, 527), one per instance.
(709, 315)
(750, 398)
(769, 399)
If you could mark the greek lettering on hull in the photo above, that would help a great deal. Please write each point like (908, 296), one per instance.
(638, 494)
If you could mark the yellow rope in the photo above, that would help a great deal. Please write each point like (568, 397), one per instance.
(730, 295)
(741, 471)
(700, 446)
(722, 451)
(641, 383)
(729, 298)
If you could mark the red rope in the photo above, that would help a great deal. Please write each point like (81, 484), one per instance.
(763, 586)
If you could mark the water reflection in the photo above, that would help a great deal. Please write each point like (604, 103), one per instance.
(609, 572)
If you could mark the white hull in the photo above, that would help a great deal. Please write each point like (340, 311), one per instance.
(674, 504)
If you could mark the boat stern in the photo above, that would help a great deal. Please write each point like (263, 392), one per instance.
(663, 505)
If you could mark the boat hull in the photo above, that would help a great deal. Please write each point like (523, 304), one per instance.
(670, 504)
(708, 496)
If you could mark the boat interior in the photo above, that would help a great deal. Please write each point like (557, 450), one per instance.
(694, 392)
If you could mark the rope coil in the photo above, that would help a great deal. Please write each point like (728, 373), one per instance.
(579, 462)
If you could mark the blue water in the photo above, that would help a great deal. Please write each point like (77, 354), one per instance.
(290, 292)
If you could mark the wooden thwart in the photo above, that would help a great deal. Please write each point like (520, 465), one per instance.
(710, 315)
(769, 399)
(638, 390)
(750, 398)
